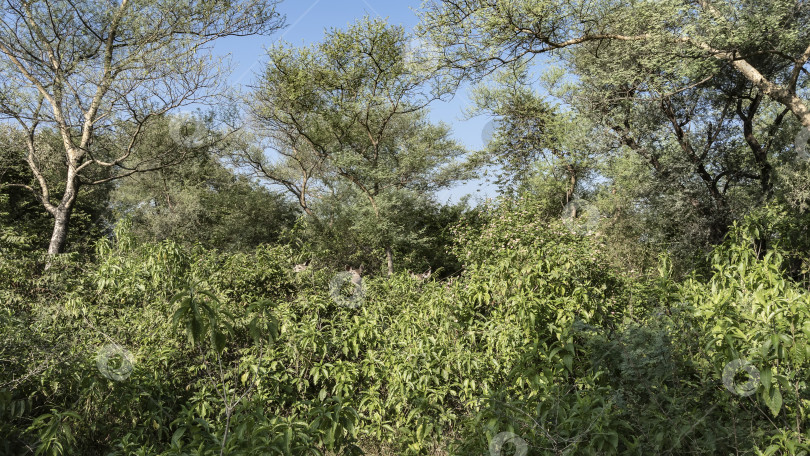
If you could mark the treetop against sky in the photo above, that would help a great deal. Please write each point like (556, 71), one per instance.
(306, 23)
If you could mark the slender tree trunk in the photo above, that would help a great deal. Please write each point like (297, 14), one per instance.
(572, 182)
(389, 256)
(62, 213)
(60, 230)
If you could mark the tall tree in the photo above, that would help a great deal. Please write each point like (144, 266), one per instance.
(528, 129)
(697, 99)
(23, 215)
(352, 107)
(701, 36)
(89, 68)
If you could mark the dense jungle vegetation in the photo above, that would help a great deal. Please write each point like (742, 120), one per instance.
(272, 272)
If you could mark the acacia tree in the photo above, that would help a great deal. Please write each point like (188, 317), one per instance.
(530, 133)
(351, 108)
(698, 98)
(91, 69)
(705, 131)
(700, 36)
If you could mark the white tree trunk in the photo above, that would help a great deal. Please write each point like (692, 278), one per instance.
(389, 255)
(62, 213)
(60, 230)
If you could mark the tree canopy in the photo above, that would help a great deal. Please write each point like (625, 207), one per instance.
(92, 71)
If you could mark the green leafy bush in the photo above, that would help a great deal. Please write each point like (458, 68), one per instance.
(538, 345)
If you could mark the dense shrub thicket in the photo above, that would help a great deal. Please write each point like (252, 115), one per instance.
(538, 347)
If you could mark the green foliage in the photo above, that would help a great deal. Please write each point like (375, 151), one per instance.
(539, 336)
(683, 108)
(347, 232)
(202, 201)
(348, 119)
(24, 223)
(678, 325)
(201, 316)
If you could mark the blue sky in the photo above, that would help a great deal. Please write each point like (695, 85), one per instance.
(308, 19)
